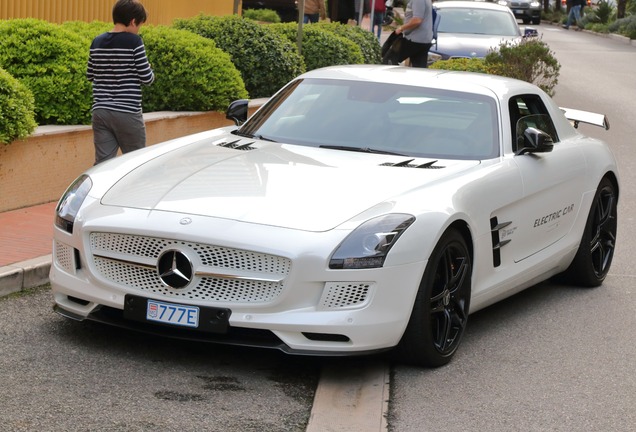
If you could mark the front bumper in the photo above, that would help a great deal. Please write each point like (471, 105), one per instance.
(313, 310)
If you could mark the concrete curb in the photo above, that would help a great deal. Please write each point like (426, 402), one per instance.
(352, 399)
(23, 275)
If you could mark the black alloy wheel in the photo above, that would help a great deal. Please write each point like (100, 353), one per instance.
(440, 312)
(594, 257)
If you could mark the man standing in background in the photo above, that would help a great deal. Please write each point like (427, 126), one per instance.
(418, 33)
(117, 67)
(314, 9)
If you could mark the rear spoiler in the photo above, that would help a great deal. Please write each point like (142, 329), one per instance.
(578, 116)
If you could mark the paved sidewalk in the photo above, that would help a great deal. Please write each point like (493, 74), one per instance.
(26, 237)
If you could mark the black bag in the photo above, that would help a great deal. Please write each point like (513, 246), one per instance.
(392, 47)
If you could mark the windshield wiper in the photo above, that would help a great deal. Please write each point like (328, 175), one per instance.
(361, 150)
(258, 137)
(261, 137)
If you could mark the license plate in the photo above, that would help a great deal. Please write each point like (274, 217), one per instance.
(158, 312)
(517, 11)
(169, 313)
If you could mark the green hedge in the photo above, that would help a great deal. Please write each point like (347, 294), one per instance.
(263, 15)
(266, 61)
(191, 73)
(51, 62)
(365, 40)
(17, 117)
(531, 61)
(321, 48)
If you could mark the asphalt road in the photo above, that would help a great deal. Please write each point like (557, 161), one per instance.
(552, 358)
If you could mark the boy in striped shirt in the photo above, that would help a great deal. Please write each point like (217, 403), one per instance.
(117, 67)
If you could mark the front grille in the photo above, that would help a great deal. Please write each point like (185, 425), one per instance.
(130, 260)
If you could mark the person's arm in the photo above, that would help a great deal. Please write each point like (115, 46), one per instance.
(412, 24)
(322, 9)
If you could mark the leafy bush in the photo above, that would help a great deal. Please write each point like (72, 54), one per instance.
(51, 62)
(262, 15)
(461, 64)
(191, 73)
(265, 60)
(321, 48)
(366, 41)
(531, 60)
(624, 26)
(17, 117)
(87, 31)
(603, 13)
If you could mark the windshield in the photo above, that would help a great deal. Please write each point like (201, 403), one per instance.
(477, 21)
(379, 118)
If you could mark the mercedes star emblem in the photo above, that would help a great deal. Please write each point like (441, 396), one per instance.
(174, 269)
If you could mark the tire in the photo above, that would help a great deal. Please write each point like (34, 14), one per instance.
(440, 312)
(594, 257)
(536, 21)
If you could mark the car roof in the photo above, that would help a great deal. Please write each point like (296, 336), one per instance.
(470, 82)
(470, 5)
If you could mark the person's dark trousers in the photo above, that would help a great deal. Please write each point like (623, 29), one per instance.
(417, 52)
(311, 18)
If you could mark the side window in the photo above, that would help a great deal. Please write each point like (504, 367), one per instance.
(528, 111)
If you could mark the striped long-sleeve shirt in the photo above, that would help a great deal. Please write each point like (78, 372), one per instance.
(118, 66)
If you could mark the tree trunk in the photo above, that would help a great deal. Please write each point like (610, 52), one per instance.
(620, 8)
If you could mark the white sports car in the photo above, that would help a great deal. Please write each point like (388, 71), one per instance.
(362, 208)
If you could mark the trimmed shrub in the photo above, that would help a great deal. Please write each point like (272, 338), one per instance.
(366, 41)
(530, 60)
(17, 117)
(321, 48)
(265, 60)
(262, 15)
(87, 31)
(51, 62)
(624, 26)
(461, 64)
(191, 73)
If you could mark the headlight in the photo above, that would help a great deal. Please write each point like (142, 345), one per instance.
(71, 201)
(535, 4)
(368, 245)
(502, 2)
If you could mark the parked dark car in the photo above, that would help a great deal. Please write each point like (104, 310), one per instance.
(525, 10)
(286, 9)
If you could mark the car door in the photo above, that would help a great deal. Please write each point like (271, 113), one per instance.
(552, 186)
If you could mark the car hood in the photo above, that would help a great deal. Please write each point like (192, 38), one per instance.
(267, 183)
(462, 45)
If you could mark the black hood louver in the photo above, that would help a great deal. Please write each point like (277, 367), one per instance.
(236, 146)
(407, 163)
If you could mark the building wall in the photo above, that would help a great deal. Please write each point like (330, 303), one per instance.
(160, 12)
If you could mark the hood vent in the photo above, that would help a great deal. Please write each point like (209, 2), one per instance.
(407, 163)
(236, 146)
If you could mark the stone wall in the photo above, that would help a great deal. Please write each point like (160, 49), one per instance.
(38, 169)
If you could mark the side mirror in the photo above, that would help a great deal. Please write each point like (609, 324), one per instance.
(237, 111)
(535, 141)
(529, 32)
